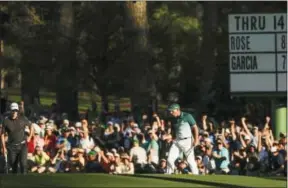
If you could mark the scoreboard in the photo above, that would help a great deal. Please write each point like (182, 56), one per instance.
(258, 53)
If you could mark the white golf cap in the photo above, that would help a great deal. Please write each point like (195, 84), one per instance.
(72, 129)
(116, 155)
(109, 154)
(78, 124)
(246, 137)
(14, 106)
(273, 149)
(49, 127)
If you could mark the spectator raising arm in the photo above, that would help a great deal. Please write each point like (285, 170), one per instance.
(31, 134)
(242, 140)
(204, 122)
(233, 131)
(223, 138)
(266, 131)
(246, 130)
(103, 158)
(259, 148)
(158, 120)
(211, 126)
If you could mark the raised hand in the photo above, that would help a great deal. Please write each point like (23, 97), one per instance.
(267, 119)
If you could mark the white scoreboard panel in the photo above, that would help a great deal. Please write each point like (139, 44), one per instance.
(258, 52)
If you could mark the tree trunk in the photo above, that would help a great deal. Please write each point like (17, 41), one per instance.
(140, 82)
(208, 56)
(2, 78)
(66, 82)
(30, 84)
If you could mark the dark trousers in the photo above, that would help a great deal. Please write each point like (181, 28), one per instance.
(18, 154)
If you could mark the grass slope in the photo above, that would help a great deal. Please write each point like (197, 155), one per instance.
(227, 180)
(47, 98)
(105, 180)
(84, 180)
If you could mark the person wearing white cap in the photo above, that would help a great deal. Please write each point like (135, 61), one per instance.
(128, 167)
(16, 148)
(65, 125)
(66, 122)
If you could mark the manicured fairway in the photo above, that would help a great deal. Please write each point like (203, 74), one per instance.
(47, 98)
(105, 180)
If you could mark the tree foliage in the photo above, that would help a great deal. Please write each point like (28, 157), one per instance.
(172, 51)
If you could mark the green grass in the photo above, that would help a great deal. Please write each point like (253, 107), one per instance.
(106, 180)
(244, 181)
(46, 101)
(47, 98)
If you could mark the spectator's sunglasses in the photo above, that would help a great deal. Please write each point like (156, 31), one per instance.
(13, 111)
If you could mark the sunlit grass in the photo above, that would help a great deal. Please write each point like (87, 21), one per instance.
(145, 180)
(47, 98)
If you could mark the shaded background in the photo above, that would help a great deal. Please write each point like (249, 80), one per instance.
(150, 52)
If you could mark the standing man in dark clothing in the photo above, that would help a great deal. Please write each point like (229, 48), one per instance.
(16, 147)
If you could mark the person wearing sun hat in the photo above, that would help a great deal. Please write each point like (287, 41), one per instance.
(138, 154)
(185, 133)
(128, 167)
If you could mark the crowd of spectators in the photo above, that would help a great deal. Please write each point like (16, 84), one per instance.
(120, 145)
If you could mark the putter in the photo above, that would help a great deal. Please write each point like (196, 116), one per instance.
(6, 164)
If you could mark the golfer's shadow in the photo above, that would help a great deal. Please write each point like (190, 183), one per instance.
(184, 180)
(2, 165)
